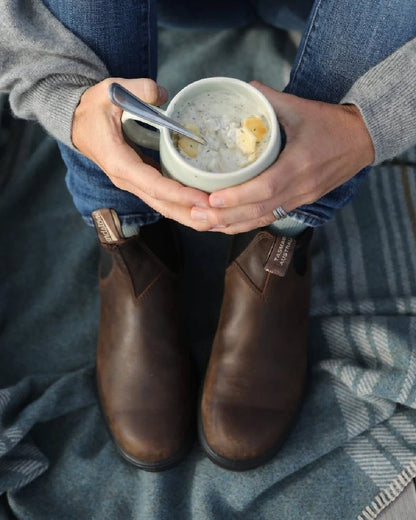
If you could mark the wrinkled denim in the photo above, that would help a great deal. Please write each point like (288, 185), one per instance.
(341, 40)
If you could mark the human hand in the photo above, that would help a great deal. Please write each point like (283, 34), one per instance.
(97, 133)
(326, 146)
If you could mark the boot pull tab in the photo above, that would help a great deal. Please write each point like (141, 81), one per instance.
(107, 225)
(280, 255)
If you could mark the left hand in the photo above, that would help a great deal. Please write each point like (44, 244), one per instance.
(326, 145)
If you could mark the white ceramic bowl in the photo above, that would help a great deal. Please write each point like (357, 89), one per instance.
(177, 167)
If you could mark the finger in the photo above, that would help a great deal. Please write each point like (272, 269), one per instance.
(177, 212)
(242, 227)
(127, 171)
(288, 107)
(240, 221)
(260, 212)
(145, 89)
(268, 185)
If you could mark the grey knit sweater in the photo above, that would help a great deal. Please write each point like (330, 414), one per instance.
(45, 69)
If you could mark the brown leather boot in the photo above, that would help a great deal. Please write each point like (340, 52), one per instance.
(254, 382)
(143, 368)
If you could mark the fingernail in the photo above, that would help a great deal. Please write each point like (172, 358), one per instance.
(217, 202)
(162, 91)
(201, 205)
(199, 215)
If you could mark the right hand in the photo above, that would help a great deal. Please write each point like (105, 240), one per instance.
(97, 133)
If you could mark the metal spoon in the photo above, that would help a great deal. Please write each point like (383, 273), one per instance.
(148, 113)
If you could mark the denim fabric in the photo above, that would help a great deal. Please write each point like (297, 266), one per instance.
(341, 40)
(124, 35)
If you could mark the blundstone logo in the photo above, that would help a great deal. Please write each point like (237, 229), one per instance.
(282, 252)
(280, 256)
(104, 229)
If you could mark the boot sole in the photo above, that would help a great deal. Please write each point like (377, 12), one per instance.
(155, 467)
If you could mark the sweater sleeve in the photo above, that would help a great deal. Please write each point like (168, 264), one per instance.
(386, 97)
(43, 66)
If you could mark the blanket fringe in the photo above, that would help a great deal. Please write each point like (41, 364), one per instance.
(389, 494)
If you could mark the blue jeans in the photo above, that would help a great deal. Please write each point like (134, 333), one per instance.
(341, 40)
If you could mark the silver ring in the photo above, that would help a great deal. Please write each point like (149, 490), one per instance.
(279, 213)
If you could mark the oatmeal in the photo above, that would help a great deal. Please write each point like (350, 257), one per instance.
(236, 135)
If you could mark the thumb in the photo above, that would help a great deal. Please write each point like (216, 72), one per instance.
(288, 107)
(146, 89)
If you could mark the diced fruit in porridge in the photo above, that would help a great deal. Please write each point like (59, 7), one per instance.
(256, 126)
(235, 131)
(187, 145)
(246, 140)
(193, 128)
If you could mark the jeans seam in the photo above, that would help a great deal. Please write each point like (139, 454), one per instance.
(306, 44)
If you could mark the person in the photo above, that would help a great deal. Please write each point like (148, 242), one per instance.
(349, 104)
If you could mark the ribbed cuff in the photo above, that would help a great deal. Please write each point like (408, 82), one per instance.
(386, 98)
(55, 99)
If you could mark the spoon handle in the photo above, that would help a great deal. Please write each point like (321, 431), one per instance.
(148, 113)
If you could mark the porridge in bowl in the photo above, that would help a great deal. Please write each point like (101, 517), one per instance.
(235, 133)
